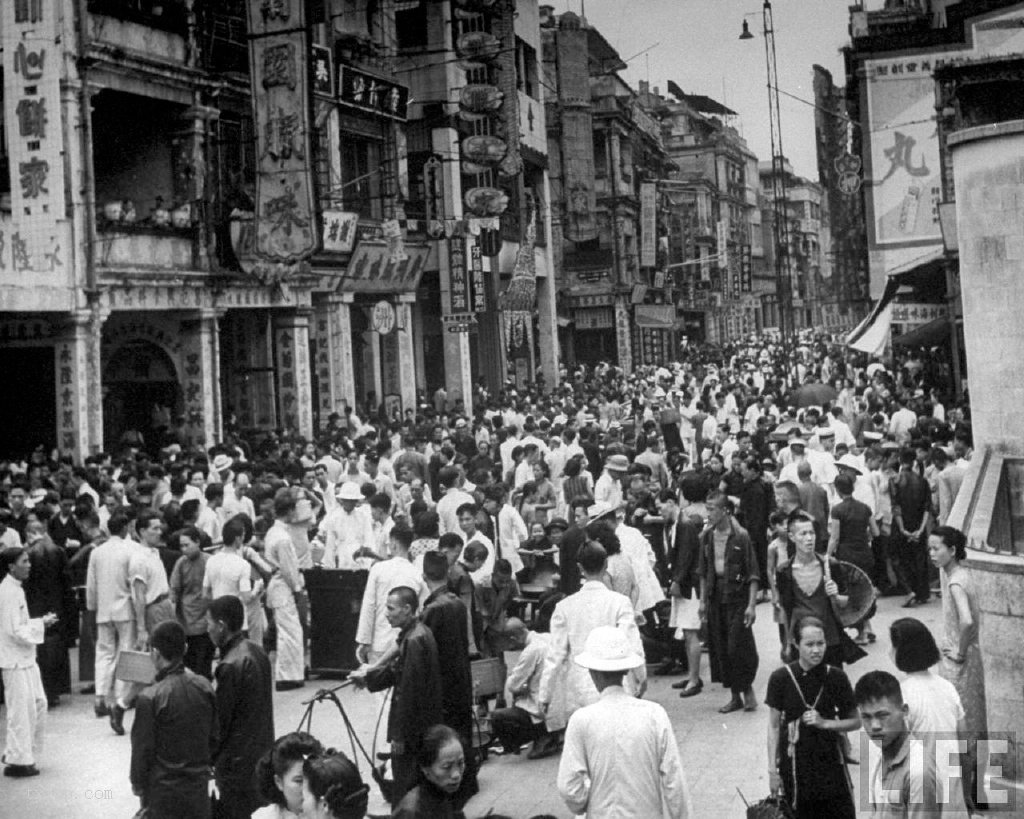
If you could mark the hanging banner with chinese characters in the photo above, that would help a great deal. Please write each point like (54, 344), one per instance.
(479, 280)
(32, 118)
(648, 228)
(279, 61)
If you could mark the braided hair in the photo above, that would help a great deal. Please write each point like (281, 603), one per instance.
(334, 778)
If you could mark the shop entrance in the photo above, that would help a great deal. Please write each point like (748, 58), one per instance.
(29, 417)
(141, 396)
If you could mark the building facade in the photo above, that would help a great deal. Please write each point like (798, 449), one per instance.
(208, 216)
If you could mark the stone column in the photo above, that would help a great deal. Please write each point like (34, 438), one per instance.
(201, 377)
(343, 384)
(294, 391)
(79, 387)
(406, 356)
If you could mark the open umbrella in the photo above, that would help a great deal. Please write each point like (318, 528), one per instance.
(813, 395)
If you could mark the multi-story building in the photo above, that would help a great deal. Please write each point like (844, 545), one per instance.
(717, 240)
(607, 158)
(211, 214)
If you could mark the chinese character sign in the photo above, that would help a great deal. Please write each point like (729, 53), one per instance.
(31, 71)
(286, 229)
(460, 285)
(357, 89)
(648, 227)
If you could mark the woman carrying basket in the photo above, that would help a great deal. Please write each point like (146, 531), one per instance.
(811, 705)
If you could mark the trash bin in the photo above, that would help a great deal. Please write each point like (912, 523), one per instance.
(335, 597)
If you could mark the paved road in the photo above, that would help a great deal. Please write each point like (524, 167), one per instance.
(85, 766)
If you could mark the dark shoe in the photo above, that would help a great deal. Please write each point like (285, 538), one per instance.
(912, 603)
(542, 748)
(117, 720)
(750, 703)
(692, 690)
(101, 709)
(729, 707)
(288, 685)
(89, 689)
(668, 668)
(21, 770)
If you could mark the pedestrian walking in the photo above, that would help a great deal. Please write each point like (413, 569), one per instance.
(24, 696)
(244, 687)
(620, 757)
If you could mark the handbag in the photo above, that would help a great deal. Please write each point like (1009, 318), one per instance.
(771, 807)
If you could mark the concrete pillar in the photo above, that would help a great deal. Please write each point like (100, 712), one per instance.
(547, 298)
(201, 377)
(343, 384)
(407, 365)
(79, 388)
(294, 391)
(416, 329)
(374, 360)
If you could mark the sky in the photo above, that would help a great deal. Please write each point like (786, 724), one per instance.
(696, 44)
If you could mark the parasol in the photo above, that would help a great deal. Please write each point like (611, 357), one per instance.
(813, 395)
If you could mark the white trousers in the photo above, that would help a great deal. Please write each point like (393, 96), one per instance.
(291, 664)
(112, 638)
(26, 715)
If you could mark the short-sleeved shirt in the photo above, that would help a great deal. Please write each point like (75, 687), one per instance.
(854, 517)
(145, 565)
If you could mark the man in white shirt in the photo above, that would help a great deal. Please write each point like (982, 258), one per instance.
(375, 636)
(227, 572)
(108, 594)
(347, 531)
(24, 696)
(620, 756)
(902, 422)
(608, 488)
(448, 507)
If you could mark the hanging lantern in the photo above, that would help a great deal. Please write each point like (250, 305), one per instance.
(484, 202)
(480, 99)
(484, 150)
(473, 169)
(479, 46)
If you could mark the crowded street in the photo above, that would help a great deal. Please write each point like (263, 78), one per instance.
(447, 409)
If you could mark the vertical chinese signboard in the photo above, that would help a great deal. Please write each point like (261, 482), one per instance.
(746, 269)
(32, 116)
(459, 277)
(479, 283)
(648, 229)
(279, 60)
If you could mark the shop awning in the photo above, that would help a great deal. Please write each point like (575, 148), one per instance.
(932, 334)
(656, 316)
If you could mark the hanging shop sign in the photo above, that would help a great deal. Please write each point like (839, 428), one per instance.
(340, 231)
(479, 283)
(648, 226)
(480, 99)
(458, 276)
(373, 270)
(35, 144)
(286, 230)
(382, 317)
(375, 95)
(746, 269)
(486, 201)
(321, 71)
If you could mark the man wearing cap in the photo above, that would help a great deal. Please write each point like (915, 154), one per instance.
(608, 489)
(348, 531)
(620, 757)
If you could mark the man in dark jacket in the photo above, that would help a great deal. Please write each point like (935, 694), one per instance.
(415, 677)
(729, 580)
(245, 708)
(174, 733)
(756, 505)
(445, 615)
(47, 589)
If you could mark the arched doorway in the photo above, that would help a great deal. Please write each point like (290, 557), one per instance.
(141, 394)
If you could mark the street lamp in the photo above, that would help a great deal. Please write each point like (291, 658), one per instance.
(780, 223)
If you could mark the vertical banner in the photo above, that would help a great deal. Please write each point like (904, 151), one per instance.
(458, 276)
(722, 234)
(32, 118)
(746, 269)
(648, 228)
(279, 60)
(479, 282)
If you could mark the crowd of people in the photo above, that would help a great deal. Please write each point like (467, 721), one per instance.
(616, 522)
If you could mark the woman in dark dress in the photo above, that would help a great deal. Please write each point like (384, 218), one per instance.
(851, 530)
(442, 763)
(811, 705)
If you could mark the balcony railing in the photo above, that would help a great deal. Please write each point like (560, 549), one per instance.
(166, 15)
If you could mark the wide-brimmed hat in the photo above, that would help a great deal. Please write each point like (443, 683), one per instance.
(222, 462)
(608, 649)
(350, 491)
(599, 510)
(619, 463)
(850, 462)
